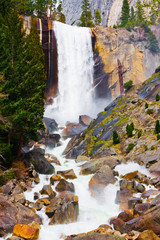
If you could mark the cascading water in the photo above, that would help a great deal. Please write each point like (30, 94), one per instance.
(75, 74)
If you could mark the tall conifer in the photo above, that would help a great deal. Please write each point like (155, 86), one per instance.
(125, 13)
(86, 16)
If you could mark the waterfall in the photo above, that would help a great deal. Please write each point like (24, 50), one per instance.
(75, 74)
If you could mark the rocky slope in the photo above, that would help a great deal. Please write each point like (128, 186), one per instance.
(120, 56)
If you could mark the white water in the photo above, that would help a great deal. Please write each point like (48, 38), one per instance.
(75, 74)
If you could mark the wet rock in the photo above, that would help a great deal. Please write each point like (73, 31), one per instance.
(44, 201)
(36, 195)
(82, 158)
(125, 184)
(37, 180)
(55, 178)
(50, 124)
(93, 165)
(63, 209)
(149, 193)
(47, 189)
(12, 214)
(19, 198)
(85, 120)
(148, 235)
(125, 216)
(67, 174)
(53, 159)
(117, 223)
(37, 159)
(130, 176)
(133, 201)
(38, 206)
(52, 139)
(122, 198)
(140, 188)
(26, 231)
(64, 185)
(101, 178)
(73, 129)
(141, 208)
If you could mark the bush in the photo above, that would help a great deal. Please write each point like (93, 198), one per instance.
(152, 148)
(149, 111)
(130, 147)
(129, 129)
(139, 133)
(116, 138)
(157, 97)
(128, 85)
(157, 127)
(146, 105)
(158, 136)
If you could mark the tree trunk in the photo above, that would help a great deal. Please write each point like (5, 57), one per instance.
(20, 146)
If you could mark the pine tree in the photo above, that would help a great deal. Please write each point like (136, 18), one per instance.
(125, 13)
(116, 139)
(132, 17)
(97, 17)
(129, 130)
(41, 7)
(86, 16)
(157, 127)
(139, 14)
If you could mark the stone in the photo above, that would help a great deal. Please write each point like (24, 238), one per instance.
(148, 235)
(140, 188)
(125, 216)
(67, 174)
(122, 198)
(26, 231)
(64, 185)
(44, 201)
(140, 208)
(130, 176)
(50, 124)
(133, 201)
(38, 206)
(85, 120)
(55, 178)
(52, 139)
(7, 188)
(117, 223)
(36, 195)
(125, 184)
(63, 209)
(101, 178)
(156, 200)
(149, 193)
(47, 189)
(37, 159)
(73, 129)
(82, 158)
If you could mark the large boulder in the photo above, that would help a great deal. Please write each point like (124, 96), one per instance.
(52, 139)
(64, 185)
(67, 174)
(101, 178)
(85, 120)
(14, 213)
(63, 209)
(37, 159)
(73, 129)
(26, 231)
(50, 124)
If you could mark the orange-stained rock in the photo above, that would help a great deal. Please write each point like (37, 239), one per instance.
(131, 175)
(44, 201)
(148, 235)
(67, 174)
(26, 231)
(55, 178)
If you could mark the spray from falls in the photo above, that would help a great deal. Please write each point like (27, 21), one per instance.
(75, 74)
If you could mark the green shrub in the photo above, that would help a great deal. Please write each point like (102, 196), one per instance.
(116, 138)
(130, 147)
(158, 136)
(139, 133)
(157, 97)
(6, 176)
(129, 129)
(128, 85)
(145, 147)
(149, 111)
(152, 148)
(146, 105)
(157, 127)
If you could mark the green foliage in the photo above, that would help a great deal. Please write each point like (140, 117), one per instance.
(145, 147)
(129, 129)
(97, 17)
(41, 7)
(157, 97)
(86, 16)
(153, 43)
(6, 176)
(149, 111)
(139, 133)
(116, 138)
(152, 148)
(130, 147)
(128, 85)
(158, 136)
(140, 19)
(157, 127)
(125, 13)
(146, 105)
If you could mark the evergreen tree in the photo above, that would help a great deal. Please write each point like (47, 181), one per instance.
(140, 19)
(97, 17)
(86, 16)
(116, 139)
(157, 97)
(157, 127)
(132, 17)
(129, 130)
(61, 16)
(125, 13)
(41, 7)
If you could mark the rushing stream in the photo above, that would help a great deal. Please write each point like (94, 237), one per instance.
(92, 212)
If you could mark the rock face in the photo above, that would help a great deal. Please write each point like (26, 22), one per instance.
(122, 56)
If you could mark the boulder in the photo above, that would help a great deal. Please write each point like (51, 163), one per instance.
(125, 216)
(73, 129)
(50, 124)
(44, 201)
(63, 209)
(26, 231)
(93, 165)
(47, 189)
(133, 201)
(140, 208)
(67, 174)
(117, 223)
(52, 139)
(95, 236)
(12, 214)
(101, 178)
(82, 158)
(122, 198)
(64, 185)
(55, 178)
(148, 235)
(85, 120)
(130, 176)
(37, 159)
